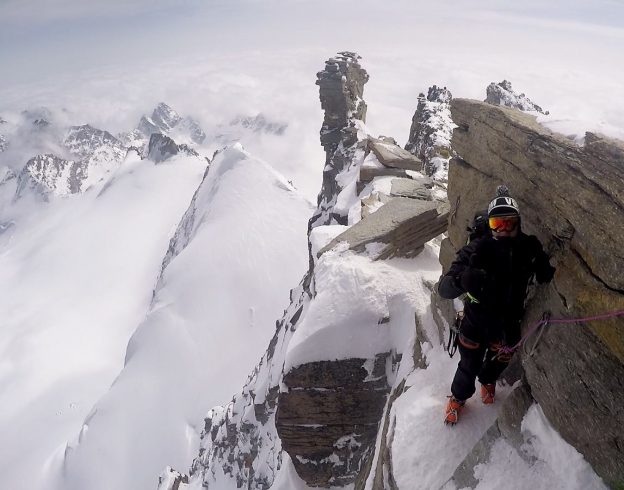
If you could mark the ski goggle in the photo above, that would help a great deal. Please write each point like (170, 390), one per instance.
(503, 223)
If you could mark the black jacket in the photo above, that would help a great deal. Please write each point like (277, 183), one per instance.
(509, 264)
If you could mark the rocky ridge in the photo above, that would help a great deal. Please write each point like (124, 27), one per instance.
(322, 414)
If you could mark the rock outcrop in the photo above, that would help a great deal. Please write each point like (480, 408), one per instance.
(329, 416)
(572, 198)
(502, 94)
(430, 133)
(341, 85)
(400, 228)
(3, 143)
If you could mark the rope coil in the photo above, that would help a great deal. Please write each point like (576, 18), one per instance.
(545, 320)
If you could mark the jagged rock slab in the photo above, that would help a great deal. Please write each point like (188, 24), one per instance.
(392, 155)
(403, 224)
(373, 202)
(3, 143)
(329, 417)
(572, 198)
(502, 94)
(372, 168)
(411, 188)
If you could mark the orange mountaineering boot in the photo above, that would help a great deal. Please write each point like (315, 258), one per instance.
(487, 393)
(453, 408)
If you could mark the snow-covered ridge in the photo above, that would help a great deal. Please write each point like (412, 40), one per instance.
(244, 231)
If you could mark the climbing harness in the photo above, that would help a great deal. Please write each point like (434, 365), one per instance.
(545, 321)
(454, 334)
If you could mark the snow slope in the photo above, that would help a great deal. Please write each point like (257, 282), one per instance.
(240, 246)
(76, 277)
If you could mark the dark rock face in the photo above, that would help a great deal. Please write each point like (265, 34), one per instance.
(572, 198)
(161, 148)
(430, 133)
(502, 94)
(341, 86)
(329, 417)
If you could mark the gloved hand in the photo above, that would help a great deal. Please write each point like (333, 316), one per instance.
(472, 281)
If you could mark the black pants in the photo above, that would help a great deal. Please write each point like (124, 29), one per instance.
(475, 362)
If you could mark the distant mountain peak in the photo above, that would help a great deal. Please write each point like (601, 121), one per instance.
(50, 174)
(84, 140)
(165, 117)
(165, 120)
(259, 124)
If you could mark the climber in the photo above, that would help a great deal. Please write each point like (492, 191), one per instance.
(493, 271)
